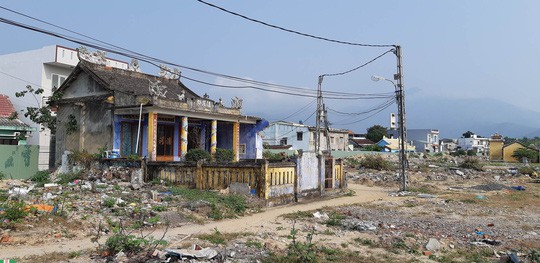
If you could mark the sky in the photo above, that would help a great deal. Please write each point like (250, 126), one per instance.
(473, 51)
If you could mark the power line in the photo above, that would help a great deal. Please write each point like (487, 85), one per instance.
(23, 80)
(378, 111)
(290, 30)
(363, 112)
(361, 66)
(151, 61)
(299, 111)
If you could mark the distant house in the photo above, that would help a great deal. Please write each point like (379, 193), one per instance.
(12, 130)
(358, 141)
(156, 117)
(46, 68)
(18, 160)
(448, 145)
(424, 140)
(393, 145)
(302, 137)
(473, 142)
(499, 151)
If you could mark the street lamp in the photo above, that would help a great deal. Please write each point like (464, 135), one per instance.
(402, 131)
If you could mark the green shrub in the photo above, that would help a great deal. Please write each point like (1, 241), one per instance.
(83, 158)
(65, 178)
(223, 155)
(14, 211)
(41, 178)
(352, 162)
(335, 219)
(527, 170)
(126, 243)
(375, 161)
(270, 156)
(194, 155)
(471, 163)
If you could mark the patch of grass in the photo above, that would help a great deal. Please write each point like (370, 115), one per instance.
(424, 189)
(376, 161)
(159, 208)
(41, 178)
(223, 206)
(298, 215)
(253, 243)
(65, 178)
(219, 238)
(109, 202)
(335, 219)
(471, 163)
(365, 242)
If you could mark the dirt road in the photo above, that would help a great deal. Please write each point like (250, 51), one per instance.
(252, 223)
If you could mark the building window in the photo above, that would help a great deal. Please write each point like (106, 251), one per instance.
(299, 136)
(332, 140)
(283, 141)
(242, 148)
(57, 80)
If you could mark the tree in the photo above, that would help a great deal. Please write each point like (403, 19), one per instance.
(468, 134)
(376, 132)
(530, 154)
(41, 114)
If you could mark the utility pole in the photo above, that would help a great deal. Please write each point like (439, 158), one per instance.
(318, 120)
(326, 131)
(400, 95)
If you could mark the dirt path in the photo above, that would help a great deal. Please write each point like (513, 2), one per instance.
(253, 223)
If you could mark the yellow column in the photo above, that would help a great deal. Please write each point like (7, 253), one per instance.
(236, 141)
(152, 135)
(213, 138)
(184, 137)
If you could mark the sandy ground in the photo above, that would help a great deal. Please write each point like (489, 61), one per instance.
(268, 219)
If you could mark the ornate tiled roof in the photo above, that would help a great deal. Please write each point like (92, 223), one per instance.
(6, 108)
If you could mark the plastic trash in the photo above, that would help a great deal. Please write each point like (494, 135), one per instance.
(518, 188)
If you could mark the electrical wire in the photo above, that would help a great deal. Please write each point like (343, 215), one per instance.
(359, 67)
(378, 111)
(153, 61)
(292, 130)
(363, 112)
(23, 80)
(290, 30)
(300, 110)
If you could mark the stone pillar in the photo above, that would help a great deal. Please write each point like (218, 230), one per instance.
(213, 138)
(184, 137)
(236, 141)
(152, 136)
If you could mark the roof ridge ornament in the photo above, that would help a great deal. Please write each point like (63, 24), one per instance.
(157, 90)
(134, 65)
(96, 57)
(166, 72)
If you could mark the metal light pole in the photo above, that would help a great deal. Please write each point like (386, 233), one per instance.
(402, 130)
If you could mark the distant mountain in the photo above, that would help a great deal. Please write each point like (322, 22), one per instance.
(484, 117)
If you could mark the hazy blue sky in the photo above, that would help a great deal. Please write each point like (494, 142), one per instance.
(478, 50)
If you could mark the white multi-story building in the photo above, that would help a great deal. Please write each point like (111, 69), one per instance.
(474, 142)
(45, 68)
(302, 137)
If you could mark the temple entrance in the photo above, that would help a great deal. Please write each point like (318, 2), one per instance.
(165, 140)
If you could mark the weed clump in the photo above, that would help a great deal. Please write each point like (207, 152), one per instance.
(376, 162)
(471, 163)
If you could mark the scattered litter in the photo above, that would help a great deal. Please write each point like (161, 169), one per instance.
(490, 187)
(20, 190)
(426, 196)
(402, 193)
(460, 173)
(41, 208)
(50, 185)
(433, 245)
(491, 242)
(518, 188)
(205, 253)
(322, 216)
(355, 224)
(480, 197)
